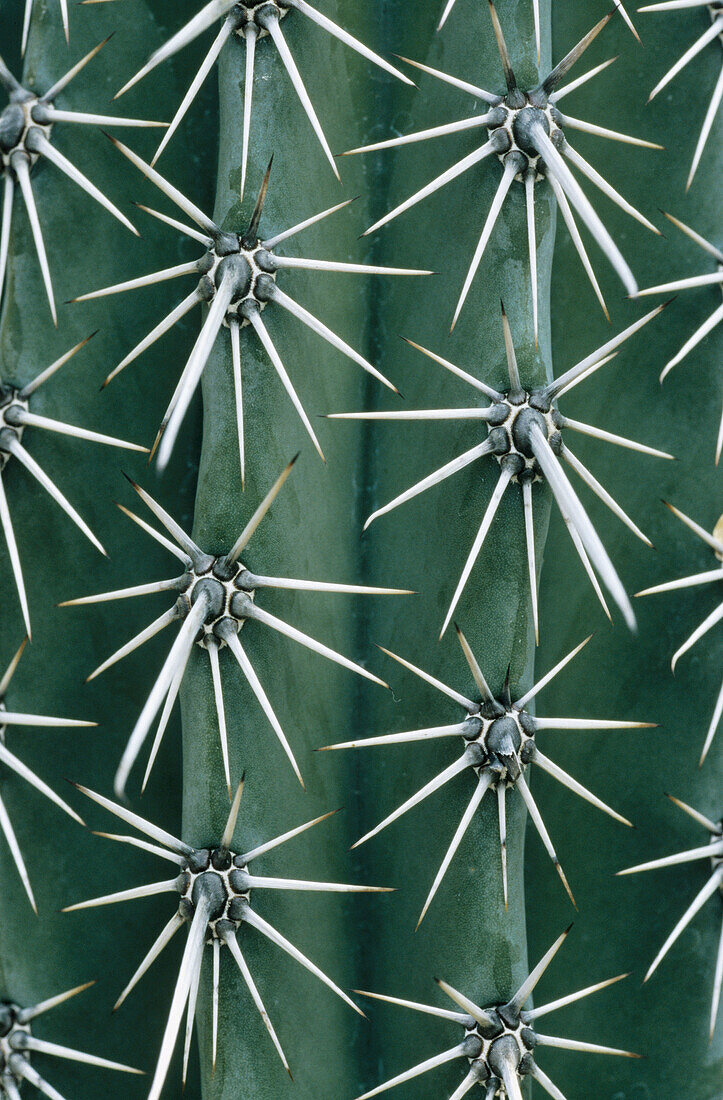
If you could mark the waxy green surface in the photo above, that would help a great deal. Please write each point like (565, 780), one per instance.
(623, 922)
(87, 248)
(313, 531)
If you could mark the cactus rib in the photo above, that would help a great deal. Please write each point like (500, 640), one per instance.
(253, 20)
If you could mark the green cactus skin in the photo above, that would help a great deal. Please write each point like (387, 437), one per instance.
(310, 532)
(85, 245)
(313, 531)
(467, 938)
(356, 940)
(637, 913)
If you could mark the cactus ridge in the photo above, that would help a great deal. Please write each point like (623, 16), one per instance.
(715, 542)
(215, 887)
(715, 30)
(18, 1045)
(27, 16)
(216, 597)
(26, 126)
(712, 851)
(14, 718)
(15, 417)
(525, 435)
(238, 280)
(526, 131)
(252, 20)
(499, 738)
(714, 278)
(500, 1041)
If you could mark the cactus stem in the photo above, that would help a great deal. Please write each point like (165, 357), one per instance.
(499, 738)
(499, 1042)
(215, 894)
(449, 5)
(27, 123)
(709, 35)
(15, 417)
(27, 14)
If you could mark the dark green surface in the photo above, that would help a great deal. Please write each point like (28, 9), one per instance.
(623, 922)
(474, 943)
(86, 249)
(313, 531)
(466, 937)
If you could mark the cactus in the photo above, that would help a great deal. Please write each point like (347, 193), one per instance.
(246, 180)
